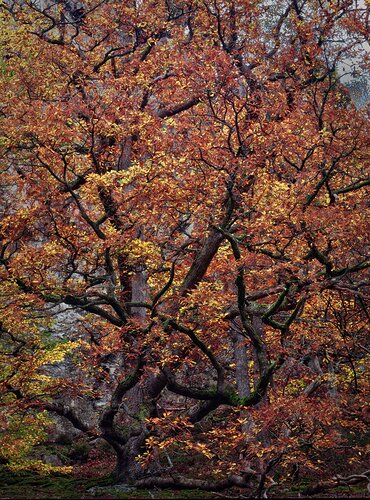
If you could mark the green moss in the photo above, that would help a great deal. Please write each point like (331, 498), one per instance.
(144, 411)
(27, 485)
(162, 494)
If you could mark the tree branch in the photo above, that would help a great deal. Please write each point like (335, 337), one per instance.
(178, 108)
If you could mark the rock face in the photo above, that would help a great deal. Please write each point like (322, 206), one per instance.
(359, 90)
(52, 460)
(87, 409)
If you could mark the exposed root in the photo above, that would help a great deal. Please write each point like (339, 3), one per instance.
(180, 483)
(338, 481)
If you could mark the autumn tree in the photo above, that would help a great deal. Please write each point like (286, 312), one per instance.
(191, 178)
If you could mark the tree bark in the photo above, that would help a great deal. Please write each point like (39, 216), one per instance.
(242, 364)
(202, 261)
(182, 483)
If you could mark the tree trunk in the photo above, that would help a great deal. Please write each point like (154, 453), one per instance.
(143, 405)
(241, 361)
(243, 382)
(128, 469)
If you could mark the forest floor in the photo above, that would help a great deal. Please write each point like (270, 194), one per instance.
(29, 486)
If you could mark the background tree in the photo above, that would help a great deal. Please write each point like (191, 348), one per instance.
(192, 177)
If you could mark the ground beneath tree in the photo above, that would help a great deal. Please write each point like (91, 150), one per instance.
(26, 485)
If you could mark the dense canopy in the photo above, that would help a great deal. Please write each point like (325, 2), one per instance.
(183, 251)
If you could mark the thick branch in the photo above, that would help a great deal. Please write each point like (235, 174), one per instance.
(106, 423)
(352, 187)
(69, 415)
(186, 391)
(202, 261)
(248, 329)
(196, 341)
(178, 108)
(181, 483)
(84, 304)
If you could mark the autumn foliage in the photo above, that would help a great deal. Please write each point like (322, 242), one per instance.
(184, 188)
